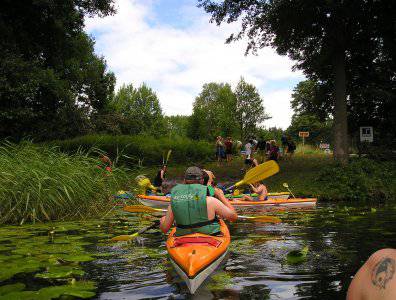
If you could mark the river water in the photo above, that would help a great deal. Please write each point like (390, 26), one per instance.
(78, 256)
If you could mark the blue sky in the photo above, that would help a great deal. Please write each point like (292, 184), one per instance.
(171, 46)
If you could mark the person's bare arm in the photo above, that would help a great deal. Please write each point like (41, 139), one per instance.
(376, 278)
(167, 220)
(220, 195)
(225, 211)
(254, 190)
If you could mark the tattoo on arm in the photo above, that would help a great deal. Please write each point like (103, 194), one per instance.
(383, 272)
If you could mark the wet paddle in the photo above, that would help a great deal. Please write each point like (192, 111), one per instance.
(125, 237)
(258, 173)
(147, 209)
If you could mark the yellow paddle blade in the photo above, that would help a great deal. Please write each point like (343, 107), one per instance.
(261, 219)
(124, 238)
(141, 209)
(259, 172)
(167, 157)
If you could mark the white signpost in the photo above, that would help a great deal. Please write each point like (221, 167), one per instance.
(366, 134)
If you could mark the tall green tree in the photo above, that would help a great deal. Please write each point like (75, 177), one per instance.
(176, 125)
(213, 112)
(250, 110)
(50, 79)
(327, 39)
(140, 108)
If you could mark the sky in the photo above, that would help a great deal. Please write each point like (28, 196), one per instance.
(172, 47)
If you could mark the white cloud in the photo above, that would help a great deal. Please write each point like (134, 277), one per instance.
(176, 62)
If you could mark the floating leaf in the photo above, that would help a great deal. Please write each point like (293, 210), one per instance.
(9, 269)
(373, 210)
(297, 256)
(57, 272)
(220, 281)
(6, 289)
(79, 289)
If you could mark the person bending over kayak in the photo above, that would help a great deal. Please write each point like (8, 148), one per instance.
(158, 180)
(257, 188)
(192, 210)
(376, 278)
(105, 163)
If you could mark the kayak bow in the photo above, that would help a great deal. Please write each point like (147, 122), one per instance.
(196, 256)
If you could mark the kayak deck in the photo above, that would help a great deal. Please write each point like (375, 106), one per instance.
(196, 256)
(163, 201)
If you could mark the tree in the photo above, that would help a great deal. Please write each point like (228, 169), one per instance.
(327, 39)
(213, 112)
(51, 80)
(310, 97)
(176, 125)
(249, 108)
(140, 108)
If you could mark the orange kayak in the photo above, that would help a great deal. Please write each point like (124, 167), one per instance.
(196, 256)
(164, 201)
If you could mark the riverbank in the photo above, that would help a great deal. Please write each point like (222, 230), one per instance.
(312, 175)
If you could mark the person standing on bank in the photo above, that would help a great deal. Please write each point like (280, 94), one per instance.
(159, 179)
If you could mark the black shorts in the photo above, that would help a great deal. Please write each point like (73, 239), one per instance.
(248, 161)
(228, 151)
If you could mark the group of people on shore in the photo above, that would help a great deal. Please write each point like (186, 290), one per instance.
(254, 152)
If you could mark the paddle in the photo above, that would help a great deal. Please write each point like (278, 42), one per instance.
(125, 237)
(287, 186)
(167, 157)
(147, 209)
(258, 173)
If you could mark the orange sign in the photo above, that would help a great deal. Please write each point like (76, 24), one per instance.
(303, 133)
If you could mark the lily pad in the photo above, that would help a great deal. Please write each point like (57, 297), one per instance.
(58, 272)
(220, 281)
(297, 256)
(79, 289)
(9, 269)
(6, 289)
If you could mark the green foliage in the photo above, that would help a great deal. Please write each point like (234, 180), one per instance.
(176, 125)
(213, 112)
(363, 179)
(144, 149)
(140, 110)
(249, 108)
(319, 130)
(40, 183)
(51, 80)
(297, 256)
(218, 110)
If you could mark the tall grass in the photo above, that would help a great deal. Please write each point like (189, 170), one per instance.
(41, 183)
(145, 150)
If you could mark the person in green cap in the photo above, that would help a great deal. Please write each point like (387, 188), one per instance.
(193, 210)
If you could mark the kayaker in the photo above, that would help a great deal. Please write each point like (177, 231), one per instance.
(208, 180)
(259, 189)
(159, 178)
(376, 278)
(105, 163)
(192, 210)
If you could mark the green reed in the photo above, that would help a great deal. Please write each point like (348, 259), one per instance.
(40, 183)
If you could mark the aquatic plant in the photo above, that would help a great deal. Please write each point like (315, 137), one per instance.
(41, 183)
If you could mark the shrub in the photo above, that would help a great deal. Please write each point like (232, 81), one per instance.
(362, 179)
(41, 183)
(141, 148)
